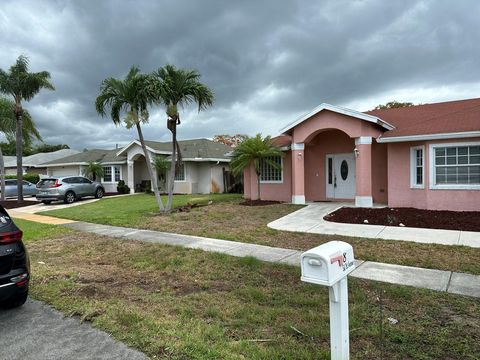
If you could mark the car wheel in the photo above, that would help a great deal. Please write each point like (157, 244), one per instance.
(99, 193)
(15, 301)
(69, 197)
(46, 202)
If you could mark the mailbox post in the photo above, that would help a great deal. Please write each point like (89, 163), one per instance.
(328, 265)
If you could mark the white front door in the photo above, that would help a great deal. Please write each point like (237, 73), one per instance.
(340, 176)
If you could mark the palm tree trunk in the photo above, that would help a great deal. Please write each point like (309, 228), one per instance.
(19, 148)
(2, 175)
(171, 181)
(153, 178)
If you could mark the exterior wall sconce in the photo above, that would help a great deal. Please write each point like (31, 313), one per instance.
(356, 152)
(300, 155)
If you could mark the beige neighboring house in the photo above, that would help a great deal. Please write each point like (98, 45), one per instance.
(204, 167)
(32, 163)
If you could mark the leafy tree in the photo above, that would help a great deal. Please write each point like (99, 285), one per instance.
(254, 151)
(132, 96)
(46, 148)
(8, 128)
(93, 170)
(393, 105)
(230, 140)
(179, 87)
(22, 86)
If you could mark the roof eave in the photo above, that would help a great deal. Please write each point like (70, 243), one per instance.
(423, 137)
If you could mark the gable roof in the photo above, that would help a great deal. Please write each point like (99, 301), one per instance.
(81, 158)
(340, 110)
(460, 118)
(192, 150)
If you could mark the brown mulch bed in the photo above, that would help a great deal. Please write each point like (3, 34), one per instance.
(409, 217)
(12, 204)
(259, 202)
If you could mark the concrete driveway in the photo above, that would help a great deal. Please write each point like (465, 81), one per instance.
(36, 331)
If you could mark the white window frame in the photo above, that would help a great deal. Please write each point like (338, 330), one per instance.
(274, 181)
(184, 174)
(413, 167)
(432, 168)
(112, 168)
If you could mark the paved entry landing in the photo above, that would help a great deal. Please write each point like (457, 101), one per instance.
(310, 220)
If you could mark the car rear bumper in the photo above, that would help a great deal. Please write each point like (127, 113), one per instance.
(8, 288)
(48, 197)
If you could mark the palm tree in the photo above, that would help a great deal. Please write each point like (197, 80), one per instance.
(8, 128)
(93, 170)
(161, 166)
(179, 87)
(254, 151)
(131, 95)
(23, 86)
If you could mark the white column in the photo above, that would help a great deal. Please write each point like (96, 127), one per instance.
(130, 176)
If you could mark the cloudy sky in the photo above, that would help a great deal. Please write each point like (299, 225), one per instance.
(267, 61)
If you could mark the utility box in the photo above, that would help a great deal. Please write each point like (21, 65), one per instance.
(328, 263)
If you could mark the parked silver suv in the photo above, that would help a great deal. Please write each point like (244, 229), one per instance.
(67, 188)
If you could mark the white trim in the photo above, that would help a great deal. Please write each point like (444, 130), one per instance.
(274, 181)
(184, 174)
(454, 135)
(204, 159)
(363, 201)
(363, 140)
(298, 199)
(112, 166)
(432, 168)
(298, 146)
(82, 163)
(413, 167)
(339, 110)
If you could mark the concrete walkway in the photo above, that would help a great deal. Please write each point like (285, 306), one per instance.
(310, 220)
(451, 282)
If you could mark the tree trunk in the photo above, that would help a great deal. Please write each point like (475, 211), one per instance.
(153, 178)
(258, 186)
(171, 180)
(2, 175)
(19, 137)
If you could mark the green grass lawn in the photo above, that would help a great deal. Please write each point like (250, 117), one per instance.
(227, 219)
(176, 303)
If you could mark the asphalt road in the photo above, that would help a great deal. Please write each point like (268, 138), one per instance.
(36, 331)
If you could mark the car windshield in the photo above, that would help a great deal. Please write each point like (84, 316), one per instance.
(45, 183)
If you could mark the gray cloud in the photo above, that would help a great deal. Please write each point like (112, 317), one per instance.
(267, 61)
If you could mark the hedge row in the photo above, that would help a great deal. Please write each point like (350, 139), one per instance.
(33, 178)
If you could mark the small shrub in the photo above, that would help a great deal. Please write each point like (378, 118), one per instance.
(122, 188)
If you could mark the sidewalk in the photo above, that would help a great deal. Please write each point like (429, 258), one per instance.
(310, 220)
(448, 281)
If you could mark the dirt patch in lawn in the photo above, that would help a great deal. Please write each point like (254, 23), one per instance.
(12, 204)
(410, 217)
(259, 202)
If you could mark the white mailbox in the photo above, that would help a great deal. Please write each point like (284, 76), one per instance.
(328, 263)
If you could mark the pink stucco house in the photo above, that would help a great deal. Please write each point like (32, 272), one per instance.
(424, 156)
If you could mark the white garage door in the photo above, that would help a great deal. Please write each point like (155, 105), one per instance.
(65, 171)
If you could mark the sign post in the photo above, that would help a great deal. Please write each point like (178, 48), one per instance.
(328, 265)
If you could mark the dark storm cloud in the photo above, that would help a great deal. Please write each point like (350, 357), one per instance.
(267, 61)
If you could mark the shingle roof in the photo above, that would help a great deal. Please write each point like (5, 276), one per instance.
(438, 118)
(40, 158)
(98, 155)
(194, 149)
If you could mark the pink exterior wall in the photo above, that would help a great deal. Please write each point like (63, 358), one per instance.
(379, 173)
(327, 142)
(277, 191)
(401, 195)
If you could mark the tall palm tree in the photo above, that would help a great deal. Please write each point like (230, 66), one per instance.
(253, 151)
(23, 86)
(179, 87)
(132, 96)
(94, 170)
(8, 128)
